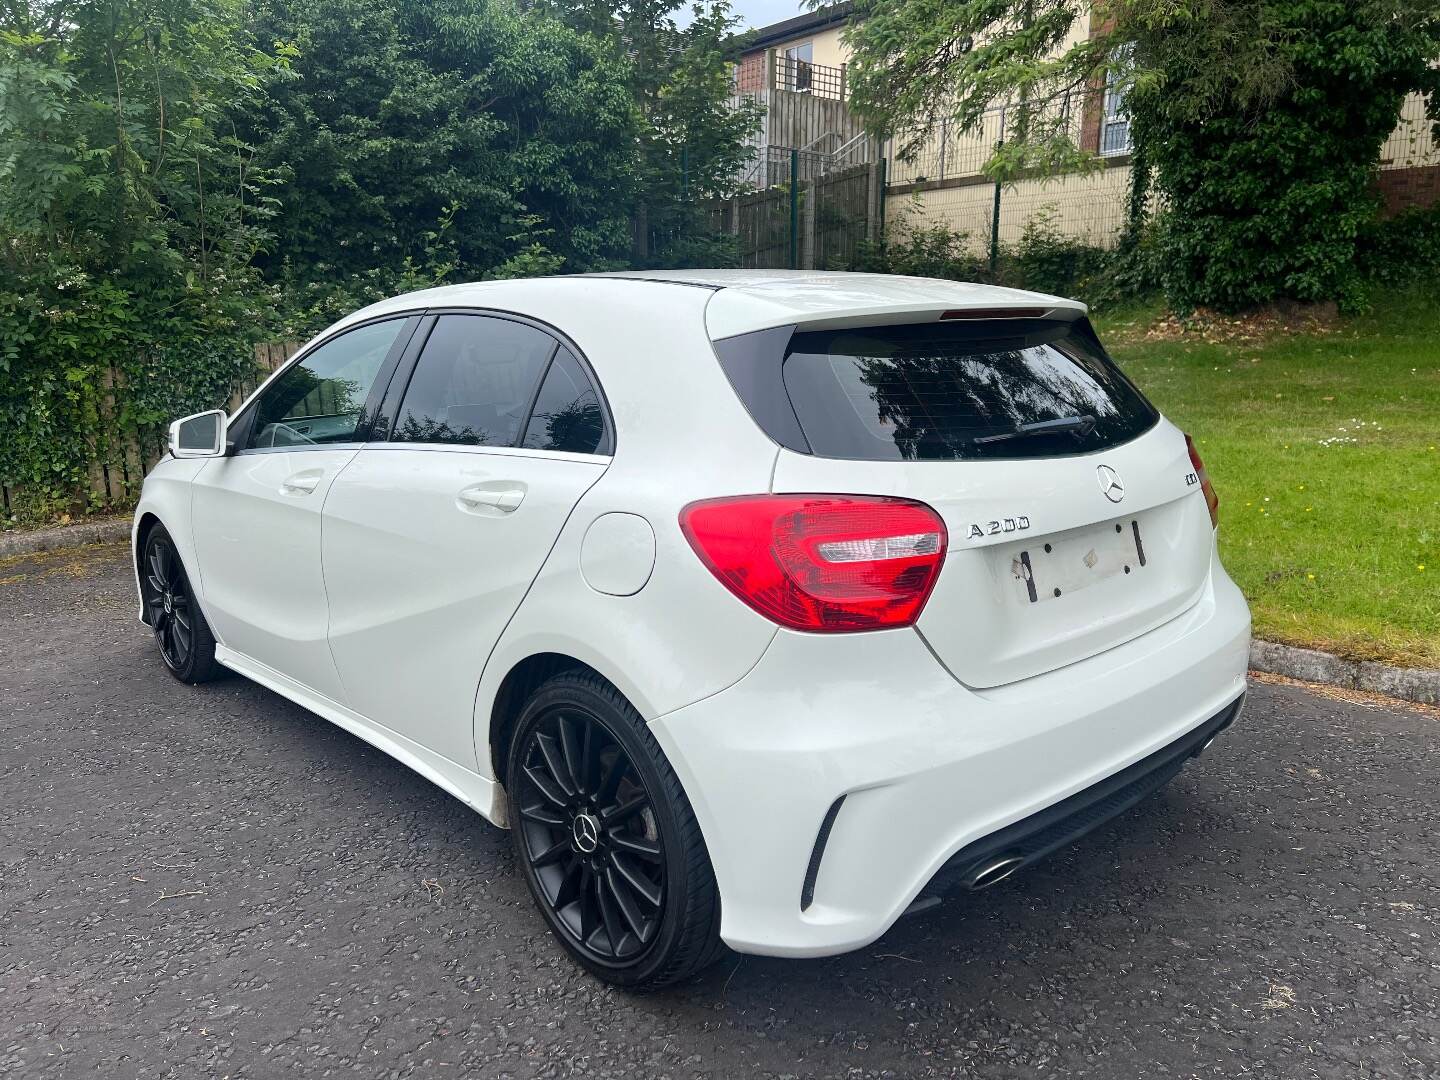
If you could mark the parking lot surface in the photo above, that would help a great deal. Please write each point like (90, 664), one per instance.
(210, 881)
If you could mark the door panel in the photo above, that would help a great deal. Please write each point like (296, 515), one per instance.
(427, 553)
(257, 541)
(256, 518)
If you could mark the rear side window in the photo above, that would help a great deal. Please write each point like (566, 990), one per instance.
(959, 391)
(473, 382)
(567, 414)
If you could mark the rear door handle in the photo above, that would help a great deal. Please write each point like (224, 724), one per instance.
(302, 483)
(502, 499)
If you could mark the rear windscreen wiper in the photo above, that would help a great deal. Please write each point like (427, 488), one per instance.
(1076, 425)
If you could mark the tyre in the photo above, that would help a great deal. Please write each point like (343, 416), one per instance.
(606, 839)
(173, 612)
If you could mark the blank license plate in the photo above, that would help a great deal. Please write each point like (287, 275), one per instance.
(1063, 566)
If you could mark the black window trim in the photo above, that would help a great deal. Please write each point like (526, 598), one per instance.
(238, 427)
(400, 383)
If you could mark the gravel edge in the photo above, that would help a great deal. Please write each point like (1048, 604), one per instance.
(1309, 665)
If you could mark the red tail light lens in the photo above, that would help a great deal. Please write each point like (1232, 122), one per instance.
(1212, 501)
(831, 563)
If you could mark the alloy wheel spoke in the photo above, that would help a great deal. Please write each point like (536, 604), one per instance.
(553, 854)
(542, 816)
(611, 777)
(609, 914)
(629, 910)
(555, 762)
(589, 759)
(594, 892)
(546, 787)
(644, 888)
(613, 815)
(649, 850)
(167, 562)
(569, 886)
(589, 916)
(571, 753)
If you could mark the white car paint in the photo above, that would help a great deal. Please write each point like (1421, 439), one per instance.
(395, 593)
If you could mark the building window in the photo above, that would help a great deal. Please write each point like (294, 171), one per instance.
(1114, 124)
(796, 75)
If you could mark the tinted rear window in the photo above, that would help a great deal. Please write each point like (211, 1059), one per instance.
(957, 391)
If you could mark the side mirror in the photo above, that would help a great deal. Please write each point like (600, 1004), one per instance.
(199, 436)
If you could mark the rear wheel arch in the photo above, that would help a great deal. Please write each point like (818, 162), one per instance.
(520, 682)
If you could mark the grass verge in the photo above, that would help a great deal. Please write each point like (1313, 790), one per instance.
(1324, 446)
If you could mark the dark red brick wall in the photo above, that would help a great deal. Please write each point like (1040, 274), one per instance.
(1404, 188)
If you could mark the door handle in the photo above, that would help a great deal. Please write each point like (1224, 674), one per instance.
(302, 483)
(502, 499)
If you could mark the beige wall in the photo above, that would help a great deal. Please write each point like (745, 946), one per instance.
(1089, 208)
(829, 49)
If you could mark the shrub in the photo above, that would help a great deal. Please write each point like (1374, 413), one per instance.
(1403, 249)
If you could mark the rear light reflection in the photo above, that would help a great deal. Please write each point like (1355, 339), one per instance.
(823, 563)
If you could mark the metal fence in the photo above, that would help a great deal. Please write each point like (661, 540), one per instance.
(1412, 144)
(811, 214)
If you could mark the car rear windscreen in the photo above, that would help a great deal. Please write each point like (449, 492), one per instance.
(960, 391)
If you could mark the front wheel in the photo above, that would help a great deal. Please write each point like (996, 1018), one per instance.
(181, 632)
(606, 839)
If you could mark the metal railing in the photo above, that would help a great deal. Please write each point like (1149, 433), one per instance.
(803, 77)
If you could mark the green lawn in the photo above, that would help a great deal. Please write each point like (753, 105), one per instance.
(1325, 451)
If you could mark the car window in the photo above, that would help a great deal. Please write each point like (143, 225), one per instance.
(473, 382)
(321, 398)
(567, 413)
(959, 392)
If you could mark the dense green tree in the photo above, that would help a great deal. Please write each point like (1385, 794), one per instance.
(129, 213)
(443, 135)
(693, 136)
(1259, 121)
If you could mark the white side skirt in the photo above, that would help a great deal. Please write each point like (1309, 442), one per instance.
(475, 791)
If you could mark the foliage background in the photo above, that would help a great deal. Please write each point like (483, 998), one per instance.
(182, 178)
(130, 214)
(1259, 122)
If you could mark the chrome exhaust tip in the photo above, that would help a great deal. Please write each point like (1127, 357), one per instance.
(993, 872)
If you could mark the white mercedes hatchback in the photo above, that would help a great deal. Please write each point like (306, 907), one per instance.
(763, 607)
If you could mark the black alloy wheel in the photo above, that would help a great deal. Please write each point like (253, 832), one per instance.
(590, 836)
(181, 632)
(168, 602)
(608, 843)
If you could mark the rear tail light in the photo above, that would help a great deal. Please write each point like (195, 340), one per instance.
(1212, 501)
(831, 563)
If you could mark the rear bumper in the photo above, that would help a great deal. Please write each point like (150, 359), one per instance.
(927, 768)
(1006, 851)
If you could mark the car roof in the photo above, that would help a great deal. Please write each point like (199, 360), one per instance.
(748, 300)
